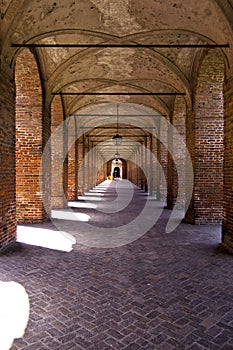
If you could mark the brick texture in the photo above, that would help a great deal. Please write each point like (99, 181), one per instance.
(227, 228)
(28, 138)
(58, 199)
(162, 156)
(206, 136)
(72, 154)
(80, 165)
(7, 160)
(178, 121)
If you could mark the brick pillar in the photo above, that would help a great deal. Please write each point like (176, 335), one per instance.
(227, 228)
(206, 135)
(141, 172)
(7, 157)
(143, 165)
(65, 164)
(80, 166)
(146, 164)
(163, 160)
(95, 166)
(72, 155)
(86, 163)
(178, 121)
(170, 168)
(102, 169)
(58, 199)
(89, 164)
(133, 169)
(29, 139)
(154, 164)
(150, 165)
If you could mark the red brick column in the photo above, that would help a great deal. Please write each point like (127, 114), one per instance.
(154, 163)
(28, 139)
(7, 156)
(227, 228)
(58, 199)
(206, 136)
(171, 169)
(137, 157)
(133, 170)
(102, 170)
(163, 160)
(72, 155)
(86, 163)
(92, 165)
(178, 121)
(80, 166)
(144, 185)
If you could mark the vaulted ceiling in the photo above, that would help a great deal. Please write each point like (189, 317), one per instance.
(123, 69)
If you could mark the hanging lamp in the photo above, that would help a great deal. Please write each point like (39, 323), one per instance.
(117, 138)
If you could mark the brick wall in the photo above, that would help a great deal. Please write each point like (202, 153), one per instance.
(28, 139)
(206, 136)
(227, 229)
(7, 160)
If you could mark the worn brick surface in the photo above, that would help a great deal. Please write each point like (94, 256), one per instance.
(58, 170)
(206, 136)
(163, 291)
(228, 173)
(28, 138)
(7, 159)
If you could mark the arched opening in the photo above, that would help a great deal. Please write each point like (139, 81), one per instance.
(116, 171)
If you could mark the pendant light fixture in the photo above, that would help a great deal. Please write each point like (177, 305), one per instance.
(117, 138)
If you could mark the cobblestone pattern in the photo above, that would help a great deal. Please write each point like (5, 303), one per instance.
(163, 291)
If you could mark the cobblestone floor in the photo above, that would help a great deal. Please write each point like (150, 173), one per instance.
(162, 291)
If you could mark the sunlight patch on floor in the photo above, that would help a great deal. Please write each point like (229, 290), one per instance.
(89, 198)
(85, 205)
(69, 215)
(46, 238)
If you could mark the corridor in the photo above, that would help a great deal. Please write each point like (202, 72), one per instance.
(160, 291)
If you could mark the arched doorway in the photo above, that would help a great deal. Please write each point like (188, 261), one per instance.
(116, 170)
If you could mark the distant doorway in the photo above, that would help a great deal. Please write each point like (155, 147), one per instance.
(116, 172)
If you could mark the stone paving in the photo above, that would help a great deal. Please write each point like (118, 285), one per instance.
(162, 291)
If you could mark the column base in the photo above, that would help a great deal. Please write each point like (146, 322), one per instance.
(227, 244)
